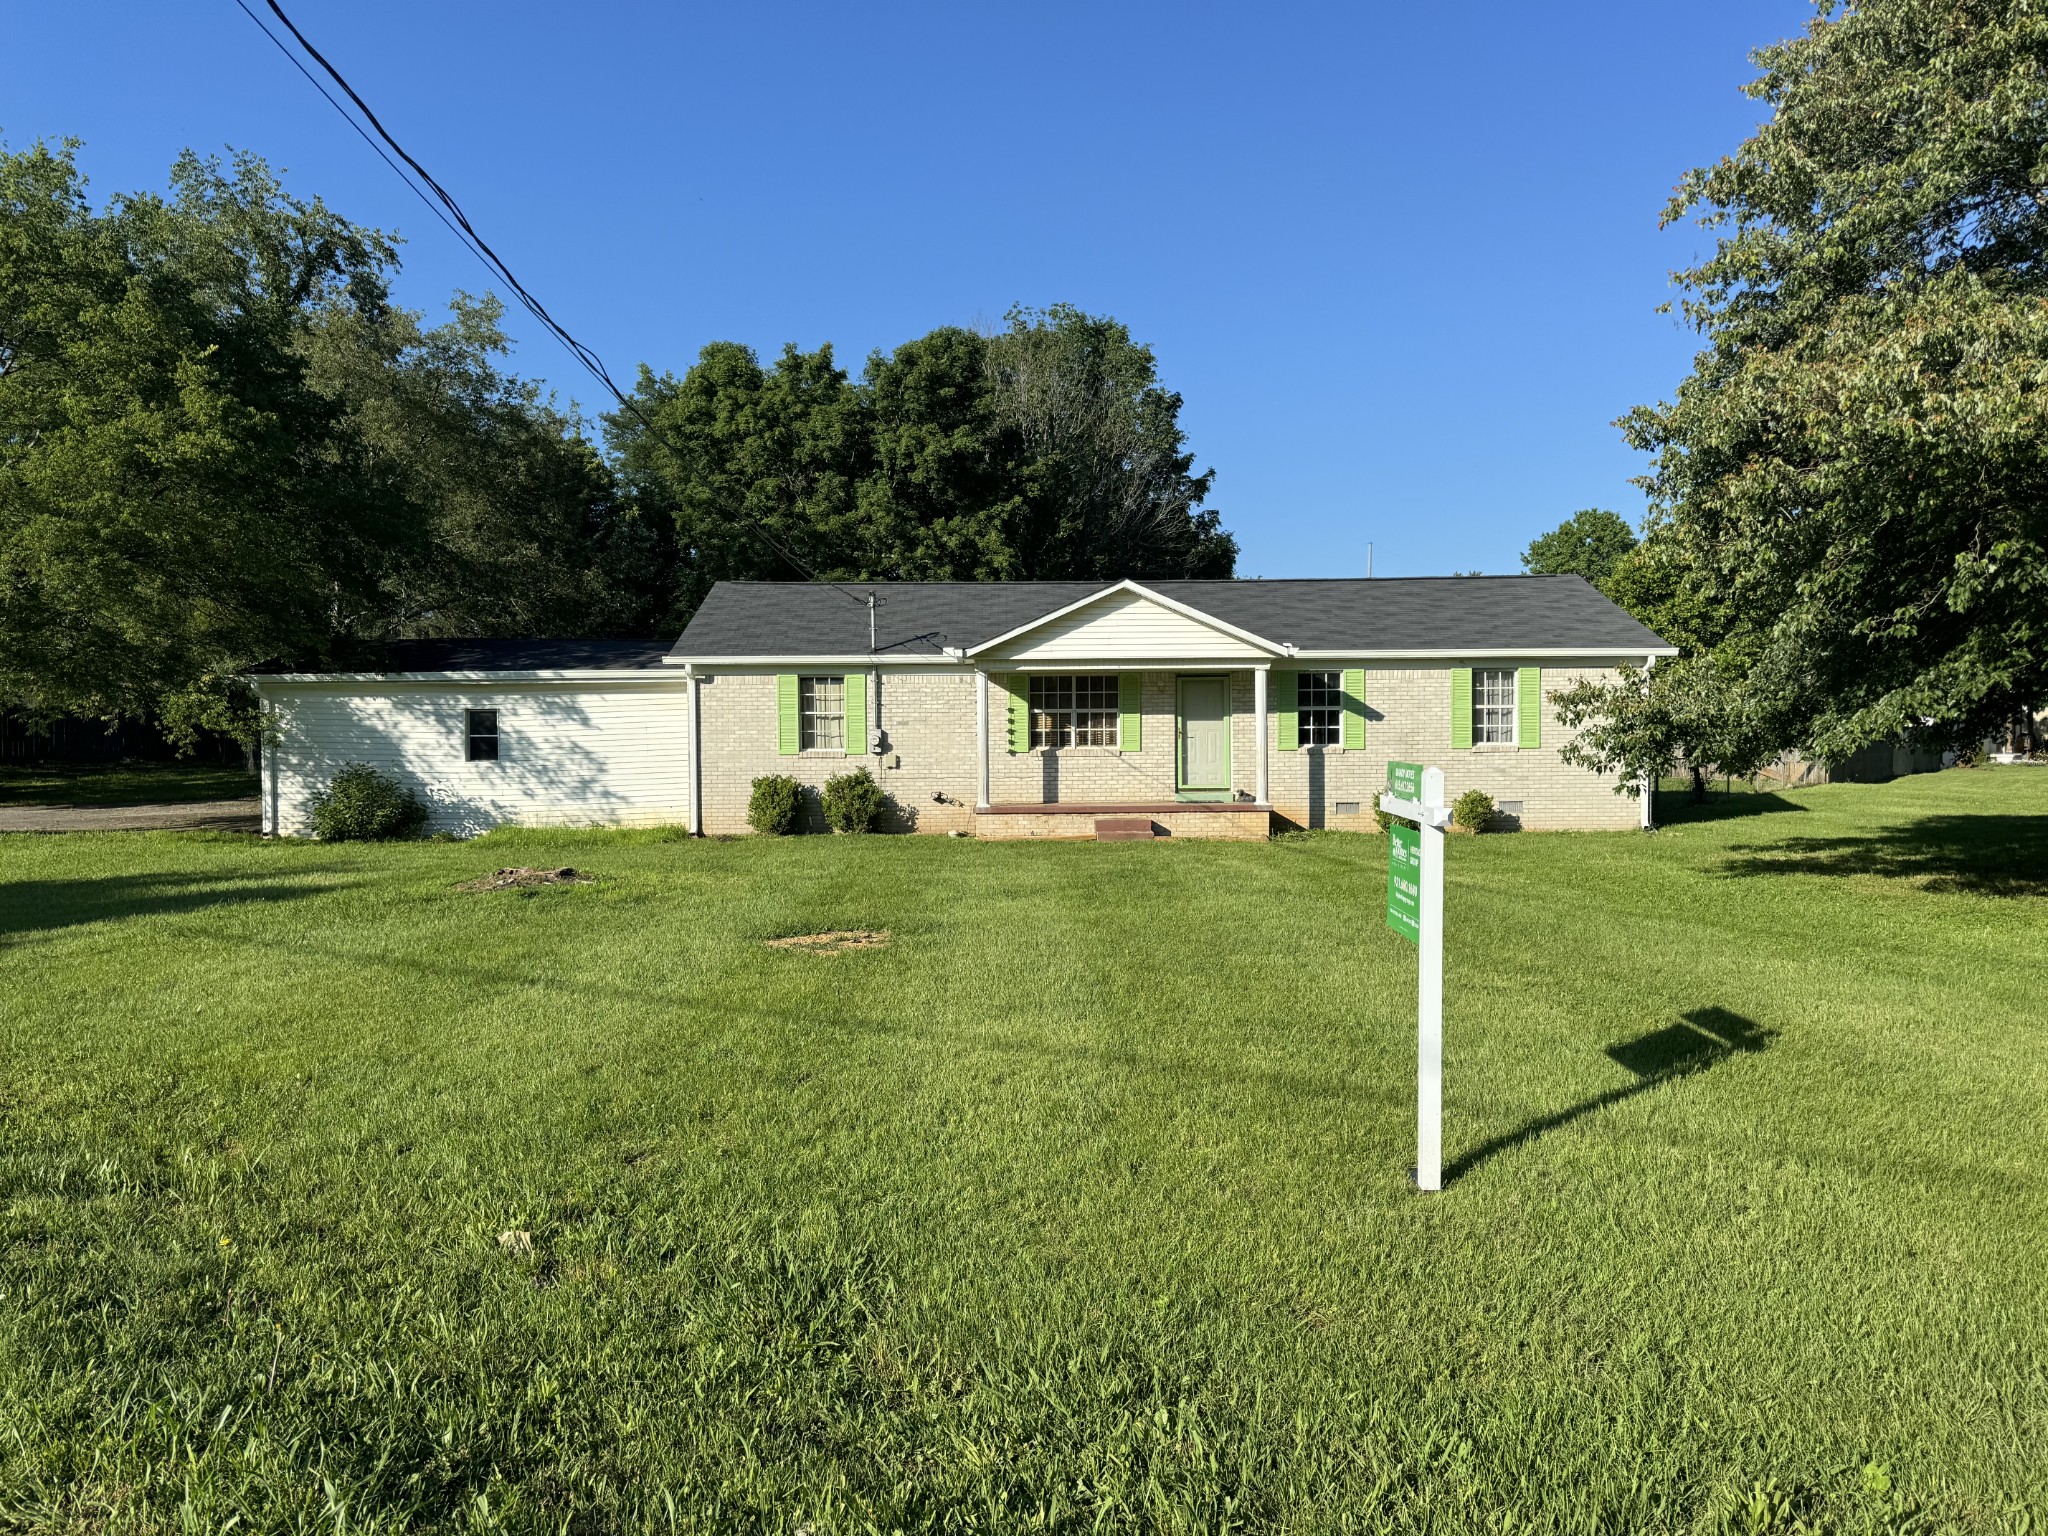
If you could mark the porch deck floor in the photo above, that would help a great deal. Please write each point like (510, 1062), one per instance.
(1126, 808)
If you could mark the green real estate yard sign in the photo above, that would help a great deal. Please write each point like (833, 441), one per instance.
(1404, 857)
(1404, 881)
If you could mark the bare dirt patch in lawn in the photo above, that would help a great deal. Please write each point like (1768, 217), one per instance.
(836, 942)
(522, 878)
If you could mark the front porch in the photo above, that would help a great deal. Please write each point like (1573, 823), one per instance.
(1184, 755)
(1128, 709)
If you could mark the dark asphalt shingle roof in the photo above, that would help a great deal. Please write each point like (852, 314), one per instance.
(1476, 614)
(498, 656)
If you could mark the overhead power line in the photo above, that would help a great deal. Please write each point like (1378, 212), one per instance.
(442, 204)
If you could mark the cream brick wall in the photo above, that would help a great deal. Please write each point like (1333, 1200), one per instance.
(1095, 775)
(927, 718)
(1408, 719)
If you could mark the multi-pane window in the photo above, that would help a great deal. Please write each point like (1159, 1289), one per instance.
(1319, 708)
(821, 713)
(480, 727)
(1074, 711)
(1493, 705)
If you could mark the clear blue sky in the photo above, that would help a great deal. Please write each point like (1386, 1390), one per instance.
(1402, 260)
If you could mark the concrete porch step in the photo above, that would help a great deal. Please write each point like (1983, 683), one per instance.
(1125, 829)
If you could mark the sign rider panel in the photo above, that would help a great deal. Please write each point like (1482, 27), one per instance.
(1404, 881)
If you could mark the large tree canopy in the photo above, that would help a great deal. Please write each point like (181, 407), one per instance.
(175, 497)
(1849, 495)
(221, 444)
(1046, 450)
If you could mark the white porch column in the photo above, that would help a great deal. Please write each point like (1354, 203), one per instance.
(1260, 730)
(696, 717)
(981, 739)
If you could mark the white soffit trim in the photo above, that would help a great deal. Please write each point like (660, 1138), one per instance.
(860, 662)
(1554, 652)
(580, 675)
(1140, 664)
(1208, 620)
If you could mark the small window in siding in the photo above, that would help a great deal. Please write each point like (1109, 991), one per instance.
(481, 727)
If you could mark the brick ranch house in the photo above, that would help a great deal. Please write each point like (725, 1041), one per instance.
(1006, 709)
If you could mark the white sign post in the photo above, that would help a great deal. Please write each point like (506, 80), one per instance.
(1426, 809)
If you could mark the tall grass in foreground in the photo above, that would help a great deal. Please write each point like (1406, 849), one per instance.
(332, 1197)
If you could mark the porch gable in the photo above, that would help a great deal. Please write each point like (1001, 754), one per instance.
(1125, 623)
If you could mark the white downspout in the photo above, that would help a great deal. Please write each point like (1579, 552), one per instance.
(1260, 731)
(696, 712)
(981, 740)
(268, 746)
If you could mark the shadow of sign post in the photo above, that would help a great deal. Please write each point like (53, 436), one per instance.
(1699, 1040)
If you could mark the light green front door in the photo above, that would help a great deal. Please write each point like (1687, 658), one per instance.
(1205, 736)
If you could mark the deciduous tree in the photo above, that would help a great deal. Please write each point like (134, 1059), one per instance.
(1589, 544)
(1849, 494)
(1045, 450)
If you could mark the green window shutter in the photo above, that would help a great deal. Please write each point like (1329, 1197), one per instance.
(1529, 707)
(1461, 708)
(787, 738)
(1287, 699)
(856, 713)
(1354, 708)
(1019, 689)
(1130, 711)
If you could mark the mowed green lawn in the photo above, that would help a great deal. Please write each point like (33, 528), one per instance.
(88, 784)
(1081, 1206)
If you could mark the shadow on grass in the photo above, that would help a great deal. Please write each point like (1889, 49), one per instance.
(1676, 807)
(1699, 1040)
(37, 906)
(1981, 855)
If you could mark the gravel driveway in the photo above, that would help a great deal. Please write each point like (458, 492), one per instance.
(210, 815)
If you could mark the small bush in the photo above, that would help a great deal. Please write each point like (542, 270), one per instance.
(854, 802)
(1472, 810)
(1384, 818)
(363, 805)
(776, 805)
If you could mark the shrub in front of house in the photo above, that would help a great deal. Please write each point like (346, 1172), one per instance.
(776, 806)
(362, 805)
(1472, 810)
(854, 802)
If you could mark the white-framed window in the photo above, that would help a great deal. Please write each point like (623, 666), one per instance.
(480, 732)
(1074, 711)
(1493, 706)
(1319, 708)
(821, 713)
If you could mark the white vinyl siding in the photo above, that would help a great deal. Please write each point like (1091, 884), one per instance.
(570, 754)
(1127, 627)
